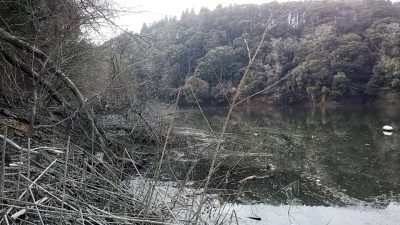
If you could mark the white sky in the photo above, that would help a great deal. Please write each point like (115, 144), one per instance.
(154, 10)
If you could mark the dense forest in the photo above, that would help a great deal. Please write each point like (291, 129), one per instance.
(88, 130)
(327, 51)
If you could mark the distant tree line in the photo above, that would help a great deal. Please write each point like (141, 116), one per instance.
(330, 51)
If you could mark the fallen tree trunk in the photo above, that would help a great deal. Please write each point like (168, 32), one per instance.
(5, 36)
(15, 145)
(15, 41)
(32, 73)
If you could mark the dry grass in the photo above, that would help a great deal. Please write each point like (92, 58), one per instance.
(70, 186)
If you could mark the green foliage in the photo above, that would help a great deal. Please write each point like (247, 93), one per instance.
(396, 84)
(219, 65)
(312, 92)
(340, 86)
(332, 49)
(194, 86)
(354, 58)
(324, 92)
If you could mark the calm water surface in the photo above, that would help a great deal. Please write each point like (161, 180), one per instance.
(334, 165)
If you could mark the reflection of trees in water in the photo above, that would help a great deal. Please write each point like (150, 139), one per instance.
(343, 148)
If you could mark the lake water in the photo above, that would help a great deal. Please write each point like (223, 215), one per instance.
(329, 166)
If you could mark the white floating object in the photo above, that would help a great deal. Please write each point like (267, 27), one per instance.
(387, 128)
(255, 134)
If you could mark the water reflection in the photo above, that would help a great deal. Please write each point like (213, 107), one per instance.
(317, 215)
(322, 156)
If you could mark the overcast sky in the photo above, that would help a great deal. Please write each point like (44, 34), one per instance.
(152, 10)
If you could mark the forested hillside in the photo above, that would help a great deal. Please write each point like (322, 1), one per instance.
(326, 51)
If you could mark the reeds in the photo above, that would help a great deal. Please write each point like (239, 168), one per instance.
(74, 187)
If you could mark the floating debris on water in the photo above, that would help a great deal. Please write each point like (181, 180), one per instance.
(254, 218)
(387, 128)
